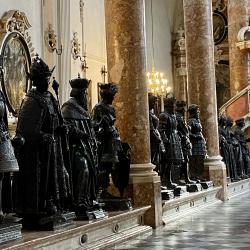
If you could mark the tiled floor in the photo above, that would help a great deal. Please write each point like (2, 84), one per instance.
(218, 227)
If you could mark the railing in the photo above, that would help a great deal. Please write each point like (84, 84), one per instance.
(238, 106)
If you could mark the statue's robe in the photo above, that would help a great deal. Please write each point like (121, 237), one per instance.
(83, 153)
(43, 176)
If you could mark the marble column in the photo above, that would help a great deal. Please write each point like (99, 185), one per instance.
(238, 17)
(201, 80)
(179, 53)
(127, 68)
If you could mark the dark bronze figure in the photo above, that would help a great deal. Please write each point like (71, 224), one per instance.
(42, 184)
(156, 143)
(173, 156)
(199, 150)
(107, 134)
(236, 149)
(83, 149)
(8, 162)
(9, 228)
(226, 148)
(239, 135)
(183, 130)
(114, 156)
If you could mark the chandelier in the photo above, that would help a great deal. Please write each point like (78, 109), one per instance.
(157, 84)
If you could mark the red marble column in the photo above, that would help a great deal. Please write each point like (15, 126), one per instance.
(127, 68)
(201, 78)
(200, 66)
(238, 17)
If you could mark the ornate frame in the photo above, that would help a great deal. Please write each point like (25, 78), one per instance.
(221, 28)
(13, 30)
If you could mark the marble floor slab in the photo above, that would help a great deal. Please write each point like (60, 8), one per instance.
(217, 227)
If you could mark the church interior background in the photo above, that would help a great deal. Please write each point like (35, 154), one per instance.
(200, 51)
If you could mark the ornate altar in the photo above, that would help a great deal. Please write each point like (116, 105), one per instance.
(15, 60)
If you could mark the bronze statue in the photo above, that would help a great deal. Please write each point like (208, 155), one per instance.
(226, 147)
(156, 143)
(114, 157)
(173, 156)
(199, 150)
(8, 162)
(183, 130)
(42, 184)
(236, 149)
(239, 135)
(83, 149)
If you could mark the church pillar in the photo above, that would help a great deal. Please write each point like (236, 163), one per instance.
(179, 53)
(238, 17)
(127, 68)
(201, 81)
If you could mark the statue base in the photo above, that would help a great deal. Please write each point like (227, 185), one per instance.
(206, 184)
(10, 232)
(53, 222)
(117, 204)
(90, 215)
(191, 188)
(167, 194)
(180, 191)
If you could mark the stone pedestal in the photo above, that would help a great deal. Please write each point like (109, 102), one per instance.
(126, 59)
(145, 186)
(216, 170)
(201, 79)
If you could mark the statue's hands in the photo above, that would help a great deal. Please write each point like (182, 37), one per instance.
(48, 138)
(18, 141)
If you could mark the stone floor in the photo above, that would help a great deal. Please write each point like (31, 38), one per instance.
(218, 227)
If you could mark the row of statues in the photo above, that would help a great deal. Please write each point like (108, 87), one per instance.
(233, 148)
(178, 148)
(65, 155)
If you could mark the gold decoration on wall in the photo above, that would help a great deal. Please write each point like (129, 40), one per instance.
(16, 21)
(51, 41)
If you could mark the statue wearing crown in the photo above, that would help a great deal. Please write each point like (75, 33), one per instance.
(42, 184)
(83, 150)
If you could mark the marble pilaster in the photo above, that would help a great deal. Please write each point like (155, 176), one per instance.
(127, 68)
(238, 17)
(201, 74)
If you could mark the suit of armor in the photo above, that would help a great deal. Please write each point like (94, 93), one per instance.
(156, 143)
(199, 150)
(172, 142)
(110, 145)
(183, 130)
(239, 135)
(226, 148)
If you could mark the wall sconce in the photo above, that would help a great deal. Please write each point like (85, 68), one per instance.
(50, 41)
(76, 48)
(75, 51)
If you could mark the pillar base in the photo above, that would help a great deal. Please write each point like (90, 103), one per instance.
(145, 188)
(216, 170)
